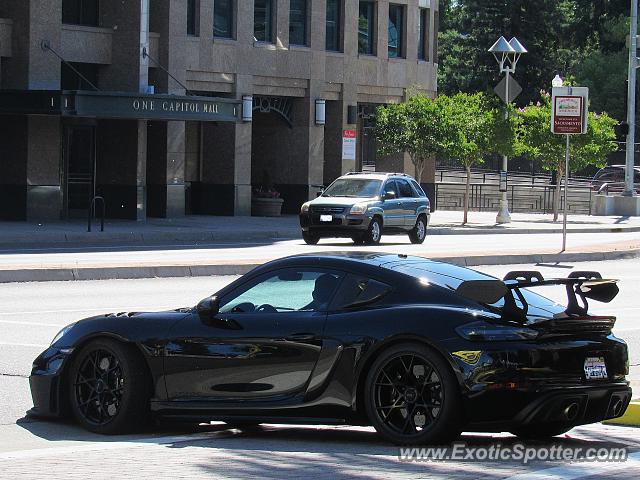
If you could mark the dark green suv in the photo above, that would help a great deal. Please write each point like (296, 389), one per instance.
(363, 206)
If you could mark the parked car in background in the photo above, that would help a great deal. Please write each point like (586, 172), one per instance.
(363, 206)
(610, 179)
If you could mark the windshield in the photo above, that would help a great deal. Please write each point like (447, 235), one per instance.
(353, 187)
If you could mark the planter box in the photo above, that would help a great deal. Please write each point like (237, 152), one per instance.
(266, 207)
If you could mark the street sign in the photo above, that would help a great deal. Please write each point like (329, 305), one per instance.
(569, 110)
(348, 144)
(514, 89)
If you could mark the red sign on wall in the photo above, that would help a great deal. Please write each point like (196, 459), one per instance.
(568, 114)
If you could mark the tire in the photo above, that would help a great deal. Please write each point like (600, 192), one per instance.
(541, 431)
(401, 410)
(373, 233)
(118, 401)
(309, 238)
(247, 425)
(419, 232)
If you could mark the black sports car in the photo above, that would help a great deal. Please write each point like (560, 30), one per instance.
(419, 349)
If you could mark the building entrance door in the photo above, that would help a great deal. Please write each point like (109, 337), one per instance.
(79, 169)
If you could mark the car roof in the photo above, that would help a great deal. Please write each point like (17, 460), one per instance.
(375, 175)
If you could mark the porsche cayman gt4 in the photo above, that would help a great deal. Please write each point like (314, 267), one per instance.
(421, 350)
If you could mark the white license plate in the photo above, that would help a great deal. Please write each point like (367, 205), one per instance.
(326, 218)
(595, 368)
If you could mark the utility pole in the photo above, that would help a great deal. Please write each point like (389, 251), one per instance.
(631, 102)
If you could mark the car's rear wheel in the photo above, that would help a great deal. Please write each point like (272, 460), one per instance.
(419, 232)
(412, 396)
(108, 387)
(310, 238)
(541, 431)
(374, 233)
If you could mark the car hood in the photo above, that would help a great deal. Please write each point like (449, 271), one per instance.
(341, 201)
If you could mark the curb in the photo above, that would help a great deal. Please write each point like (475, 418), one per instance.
(165, 271)
(631, 416)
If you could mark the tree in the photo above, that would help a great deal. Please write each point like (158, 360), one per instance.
(415, 127)
(538, 142)
(476, 122)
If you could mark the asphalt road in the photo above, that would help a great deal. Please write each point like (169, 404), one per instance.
(31, 314)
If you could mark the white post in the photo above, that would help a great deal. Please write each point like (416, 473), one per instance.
(503, 214)
(631, 101)
(566, 187)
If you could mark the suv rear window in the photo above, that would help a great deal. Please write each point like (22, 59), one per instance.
(353, 187)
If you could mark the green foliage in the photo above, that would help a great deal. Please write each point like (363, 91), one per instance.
(537, 142)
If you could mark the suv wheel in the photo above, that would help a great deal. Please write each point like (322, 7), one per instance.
(310, 238)
(374, 232)
(419, 232)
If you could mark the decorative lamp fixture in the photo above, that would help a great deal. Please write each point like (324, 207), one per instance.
(557, 81)
(320, 111)
(247, 108)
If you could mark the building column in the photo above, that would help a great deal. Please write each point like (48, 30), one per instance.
(44, 197)
(242, 154)
(175, 169)
(141, 172)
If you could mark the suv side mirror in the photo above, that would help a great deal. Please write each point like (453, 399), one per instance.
(390, 195)
(208, 307)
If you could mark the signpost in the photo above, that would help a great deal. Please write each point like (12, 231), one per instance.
(348, 144)
(568, 117)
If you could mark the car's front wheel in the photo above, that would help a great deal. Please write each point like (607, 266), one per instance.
(108, 387)
(374, 233)
(310, 238)
(419, 232)
(412, 396)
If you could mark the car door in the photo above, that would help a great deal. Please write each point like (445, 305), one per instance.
(408, 202)
(264, 341)
(393, 216)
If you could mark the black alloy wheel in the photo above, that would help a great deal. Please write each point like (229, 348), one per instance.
(412, 396)
(108, 387)
(309, 238)
(419, 232)
(373, 233)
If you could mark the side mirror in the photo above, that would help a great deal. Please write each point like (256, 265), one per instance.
(390, 195)
(319, 192)
(208, 307)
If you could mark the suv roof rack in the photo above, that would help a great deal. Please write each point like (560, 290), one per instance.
(379, 173)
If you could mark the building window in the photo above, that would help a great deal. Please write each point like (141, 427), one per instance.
(192, 17)
(298, 22)
(396, 31)
(334, 25)
(81, 12)
(223, 18)
(423, 34)
(263, 14)
(70, 80)
(367, 28)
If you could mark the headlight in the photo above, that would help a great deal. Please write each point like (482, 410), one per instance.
(359, 208)
(481, 331)
(61, 333)
(304, 208)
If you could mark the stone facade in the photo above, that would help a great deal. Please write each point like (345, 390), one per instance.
(169, 168)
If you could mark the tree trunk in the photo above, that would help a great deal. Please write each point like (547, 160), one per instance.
(556, 197)
(418, 164)
(466, 194)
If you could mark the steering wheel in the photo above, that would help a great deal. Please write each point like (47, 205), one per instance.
(265, 307)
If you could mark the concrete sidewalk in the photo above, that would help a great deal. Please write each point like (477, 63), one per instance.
(197, 229)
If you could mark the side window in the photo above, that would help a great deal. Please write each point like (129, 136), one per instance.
(390, 186)
(287, 290)
(418, 189)
(405, 189)
(358, 291)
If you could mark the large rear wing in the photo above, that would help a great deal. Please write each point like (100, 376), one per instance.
(580, 286)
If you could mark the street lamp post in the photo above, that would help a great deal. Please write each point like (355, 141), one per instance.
(507, 55)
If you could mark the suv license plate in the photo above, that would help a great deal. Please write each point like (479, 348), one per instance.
(595, 368)
(326, 218)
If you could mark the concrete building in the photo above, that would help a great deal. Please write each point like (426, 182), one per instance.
(167, 107)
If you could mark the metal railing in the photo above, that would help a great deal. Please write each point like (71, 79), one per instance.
(92, 212)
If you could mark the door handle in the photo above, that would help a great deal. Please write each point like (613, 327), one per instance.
(298, 337)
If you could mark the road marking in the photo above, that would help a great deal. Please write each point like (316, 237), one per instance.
(578, 470)
(34, 324)
(47, 452)
(147, 308)
(34, 345)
